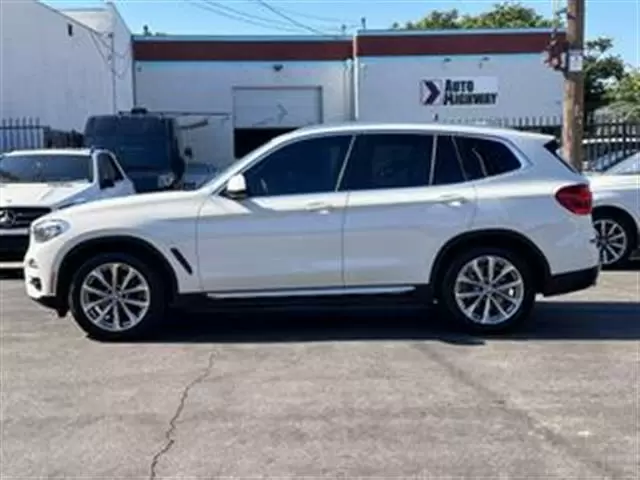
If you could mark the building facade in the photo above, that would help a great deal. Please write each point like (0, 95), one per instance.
(241, 91)
(57, 65)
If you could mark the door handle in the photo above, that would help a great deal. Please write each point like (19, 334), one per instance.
(320, 207)
(453, 199)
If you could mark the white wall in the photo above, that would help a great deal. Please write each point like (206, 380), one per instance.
(60, 79)
(390, 87)
(207, 87)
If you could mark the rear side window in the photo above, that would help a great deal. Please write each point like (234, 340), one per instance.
(447, 168)
(482, 157)
(383, 161)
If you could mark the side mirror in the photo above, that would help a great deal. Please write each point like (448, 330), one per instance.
(188, 152)
(107, 183)
(236, 187)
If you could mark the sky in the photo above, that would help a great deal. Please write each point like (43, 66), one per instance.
(618, 19)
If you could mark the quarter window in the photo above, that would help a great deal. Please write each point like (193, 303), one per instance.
(306, 166)
(486, 156)
(383, 161)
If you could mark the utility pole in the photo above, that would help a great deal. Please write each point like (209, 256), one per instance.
(573, 105)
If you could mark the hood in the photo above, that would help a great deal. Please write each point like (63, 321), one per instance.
(41, 194)
(129, 204)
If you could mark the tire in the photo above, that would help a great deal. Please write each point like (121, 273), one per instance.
(514, 311)
(144, 287)
(615, 250)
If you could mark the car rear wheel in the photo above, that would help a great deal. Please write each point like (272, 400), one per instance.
(117, 297)
(488, 290)
(614, 239)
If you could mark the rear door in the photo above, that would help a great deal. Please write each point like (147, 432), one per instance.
(407, 196)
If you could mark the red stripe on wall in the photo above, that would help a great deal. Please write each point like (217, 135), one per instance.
(247, 51)
(465, 44)
(368, 46)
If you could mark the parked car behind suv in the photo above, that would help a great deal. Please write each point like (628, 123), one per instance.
(36, 182)
(478, 219)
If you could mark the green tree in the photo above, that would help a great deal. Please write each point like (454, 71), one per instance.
(625, 95)
(502, 15)
(602, 69)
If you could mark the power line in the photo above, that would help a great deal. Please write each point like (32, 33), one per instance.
(238, 18)
(318, 18)
(293, 21)
(240, 13)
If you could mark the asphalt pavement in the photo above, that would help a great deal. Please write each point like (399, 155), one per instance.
(346, 393)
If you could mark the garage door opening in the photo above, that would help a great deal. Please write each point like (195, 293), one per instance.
(262, 113)
(246, 140)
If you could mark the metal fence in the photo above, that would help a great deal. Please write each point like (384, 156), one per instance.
(27, 133)
(21, 133)
(608, 139)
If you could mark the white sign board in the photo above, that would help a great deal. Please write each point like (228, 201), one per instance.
(459, 91)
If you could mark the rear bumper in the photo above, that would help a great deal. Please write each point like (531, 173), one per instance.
(571, 281)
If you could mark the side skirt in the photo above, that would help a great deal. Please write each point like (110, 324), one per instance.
(367, 297)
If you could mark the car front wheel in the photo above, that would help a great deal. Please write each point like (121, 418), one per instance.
(488, 290)
(117, 297)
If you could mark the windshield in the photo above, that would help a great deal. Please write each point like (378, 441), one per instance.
(630, 166)
(49, 168)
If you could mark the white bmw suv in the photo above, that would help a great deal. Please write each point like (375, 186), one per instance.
(476, 220)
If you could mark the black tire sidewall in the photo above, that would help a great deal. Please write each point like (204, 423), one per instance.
(447, 294)
(149, 323)
(628, 232)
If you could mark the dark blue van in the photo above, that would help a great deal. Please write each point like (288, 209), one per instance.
(147, 146)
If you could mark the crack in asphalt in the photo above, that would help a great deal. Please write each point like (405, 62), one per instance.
(603, 469)
(169, 434)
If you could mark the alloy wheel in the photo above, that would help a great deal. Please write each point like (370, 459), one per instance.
(489, 290)
(115, 297)
(612, 240)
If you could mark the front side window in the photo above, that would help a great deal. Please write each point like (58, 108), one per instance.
(108, 170)
(303, 167)
(46, 168)
(389, 160)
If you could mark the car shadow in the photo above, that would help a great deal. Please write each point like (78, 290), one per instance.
(595, 321)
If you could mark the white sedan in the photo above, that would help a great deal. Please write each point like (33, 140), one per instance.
(616, 214)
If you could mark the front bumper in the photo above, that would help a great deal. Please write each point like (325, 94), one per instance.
(571, 281)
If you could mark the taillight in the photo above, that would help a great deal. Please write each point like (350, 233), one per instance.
(576, 198)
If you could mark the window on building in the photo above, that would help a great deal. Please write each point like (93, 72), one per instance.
(306, 166)
(383, 161)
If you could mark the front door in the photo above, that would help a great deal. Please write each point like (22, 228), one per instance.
(287, 235)
(407, 197)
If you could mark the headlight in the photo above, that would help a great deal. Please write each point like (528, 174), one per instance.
(166, 180)
(47, 229)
